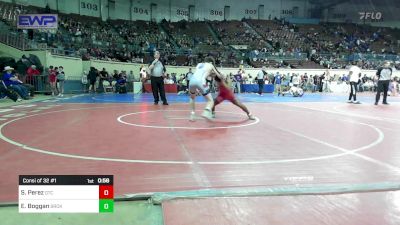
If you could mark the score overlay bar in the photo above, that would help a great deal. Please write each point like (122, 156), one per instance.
(66, 193)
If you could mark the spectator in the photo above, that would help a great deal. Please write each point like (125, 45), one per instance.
(104, 77)
(84, 81)
(30, 73)
(321, 82)
(29, 87)
(310, 83)
(237, 79)
(327, 82)
(120, 86)
(53, 80)
(296, 80)
(182, 85)
(394, 87)
(14, 83)
(277, 83)
(92, 77)
(316, 83)
(174, 78)
(188, 77)
(168, 80)
(115, 75)
(47, 9)
(143, 77)
(61, 80)
(131, 76)
(368, 85)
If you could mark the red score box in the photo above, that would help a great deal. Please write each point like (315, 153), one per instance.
(106, 192)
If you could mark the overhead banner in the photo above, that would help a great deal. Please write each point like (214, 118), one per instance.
(37, 21)
(89, 8)
(179, 13)
(140, 11)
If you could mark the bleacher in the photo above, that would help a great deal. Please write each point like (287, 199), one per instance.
(274, 32)
(235, 33)
(189, 34)
(121, 40)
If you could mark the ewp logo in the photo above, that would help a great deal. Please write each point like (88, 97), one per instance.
(38, 21)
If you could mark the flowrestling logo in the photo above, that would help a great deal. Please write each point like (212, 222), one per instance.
(37, 21)
(370, 15)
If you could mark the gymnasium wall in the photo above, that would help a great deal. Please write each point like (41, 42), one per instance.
(380, 13)
(176, 10)
(7, 51)
(72, 66)
(376, 13)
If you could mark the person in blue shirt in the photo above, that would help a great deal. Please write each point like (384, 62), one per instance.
(237, 80)
(345, 78)
(14, 83)
(278, 82)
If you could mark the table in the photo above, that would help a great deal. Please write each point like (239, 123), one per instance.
(268, 88)
(137, 87)
(169, 88)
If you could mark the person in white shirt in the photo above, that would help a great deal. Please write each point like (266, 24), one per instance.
(168, 80)
(393, 87)
(143, 77)
(295, 80)
(198, 83)
(188, 77)
(294, 91)
(327, 82)
(354, 76)
(260, 80)
(84, 81)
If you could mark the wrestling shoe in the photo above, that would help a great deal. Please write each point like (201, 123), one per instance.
(251, 117)
(207, 114)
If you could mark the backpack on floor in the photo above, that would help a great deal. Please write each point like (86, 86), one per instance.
(9, 92)
(12, 95)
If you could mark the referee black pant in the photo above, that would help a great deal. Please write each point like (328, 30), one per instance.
(157, 86)
(353, 90)
(260, 86)
(383, 86)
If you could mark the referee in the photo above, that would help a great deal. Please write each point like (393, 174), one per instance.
(157, 71)
(384, 74)
(260, 80)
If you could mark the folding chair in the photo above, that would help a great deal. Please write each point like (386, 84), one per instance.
(107, 87)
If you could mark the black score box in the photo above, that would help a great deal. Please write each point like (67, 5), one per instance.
(66, 193)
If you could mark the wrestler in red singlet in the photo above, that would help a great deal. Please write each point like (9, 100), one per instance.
(225, 93)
